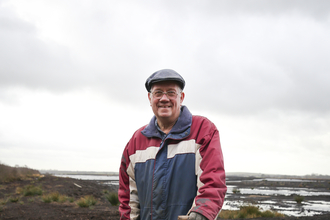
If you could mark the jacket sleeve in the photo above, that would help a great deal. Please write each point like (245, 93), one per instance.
(127, 192)
(211, 179)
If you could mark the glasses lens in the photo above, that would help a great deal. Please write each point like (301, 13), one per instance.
(169, 94)
(158, 94)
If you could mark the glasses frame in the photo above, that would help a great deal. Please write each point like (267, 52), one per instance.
(153, 92)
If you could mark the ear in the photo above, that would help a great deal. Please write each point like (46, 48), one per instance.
(182, 97)
(149, 97)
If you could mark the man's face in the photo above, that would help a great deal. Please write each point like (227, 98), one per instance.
(166, 109)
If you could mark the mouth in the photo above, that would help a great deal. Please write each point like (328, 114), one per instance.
(166, 106)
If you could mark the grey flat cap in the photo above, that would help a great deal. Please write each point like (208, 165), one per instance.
(164, 75)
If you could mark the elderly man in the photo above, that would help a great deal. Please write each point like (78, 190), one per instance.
(174, 165)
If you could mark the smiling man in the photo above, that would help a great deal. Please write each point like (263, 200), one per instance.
(174, 165)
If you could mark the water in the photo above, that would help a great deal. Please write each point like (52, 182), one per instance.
(110, 180)
(285, 191)
(288, 207)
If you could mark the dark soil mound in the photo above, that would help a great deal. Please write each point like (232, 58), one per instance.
(33, 207)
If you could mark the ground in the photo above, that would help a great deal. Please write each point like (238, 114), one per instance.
(32, 207)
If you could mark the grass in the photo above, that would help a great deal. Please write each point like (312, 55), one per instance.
(62, 198)
(248, 212)
(30, 190)
(112, 198)
(46, 198)
(54, 197)
(86, 201)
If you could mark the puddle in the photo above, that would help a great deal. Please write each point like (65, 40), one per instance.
(306, 209)
(283, 180)
(285, 191)
(287, 207)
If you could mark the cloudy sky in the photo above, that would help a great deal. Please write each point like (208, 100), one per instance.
(72, 79)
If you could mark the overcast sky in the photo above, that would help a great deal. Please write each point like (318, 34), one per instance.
(72, 77)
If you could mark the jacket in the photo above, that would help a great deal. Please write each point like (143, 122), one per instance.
(163, 176)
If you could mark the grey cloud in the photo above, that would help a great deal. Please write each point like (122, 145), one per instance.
(318, 9)
(234, 65)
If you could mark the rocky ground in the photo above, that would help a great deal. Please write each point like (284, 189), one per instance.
(32, 207)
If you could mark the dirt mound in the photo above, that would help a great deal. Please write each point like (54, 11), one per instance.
(18, 206)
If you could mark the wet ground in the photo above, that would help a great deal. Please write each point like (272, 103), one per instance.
(280, 195)
(269, 194)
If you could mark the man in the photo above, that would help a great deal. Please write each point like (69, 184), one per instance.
(174, 165)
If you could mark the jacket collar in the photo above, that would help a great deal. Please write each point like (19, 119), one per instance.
(180, 130)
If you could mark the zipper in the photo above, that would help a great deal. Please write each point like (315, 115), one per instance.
(153, 175)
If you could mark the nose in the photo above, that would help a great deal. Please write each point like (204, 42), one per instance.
(162, 98)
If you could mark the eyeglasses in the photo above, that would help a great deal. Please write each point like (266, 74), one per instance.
(159, 94)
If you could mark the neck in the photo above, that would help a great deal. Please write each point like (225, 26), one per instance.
(165, 127)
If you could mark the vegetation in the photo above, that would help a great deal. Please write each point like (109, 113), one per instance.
(13, 199)
(46, 198)
(30, 190)
(54, 197)
(112, 198)
(236, 191)
(10, 174)
(299, 199)
(86, 201)
(248, 212)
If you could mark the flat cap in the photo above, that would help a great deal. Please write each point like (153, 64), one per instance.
(164, 75)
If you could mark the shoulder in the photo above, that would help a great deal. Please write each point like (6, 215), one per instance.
(201, 120)
(138, 133)
(202, 126)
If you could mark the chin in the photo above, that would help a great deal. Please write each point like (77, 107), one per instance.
(162, 115)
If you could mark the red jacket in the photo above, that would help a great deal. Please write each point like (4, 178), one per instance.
(163, 176)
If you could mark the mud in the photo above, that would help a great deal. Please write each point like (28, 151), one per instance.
(32, 207)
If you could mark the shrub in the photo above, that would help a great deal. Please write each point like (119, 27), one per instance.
(235, 190)
(248, 212)
(13, 199)
(46, 198)
(54, 196)
(19, 190)
(62, 198)
(112, 198)
(86, 201)
(105, 191)
(31, 190)
(298, 199)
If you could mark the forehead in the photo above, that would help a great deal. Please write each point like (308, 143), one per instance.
(166, 85)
